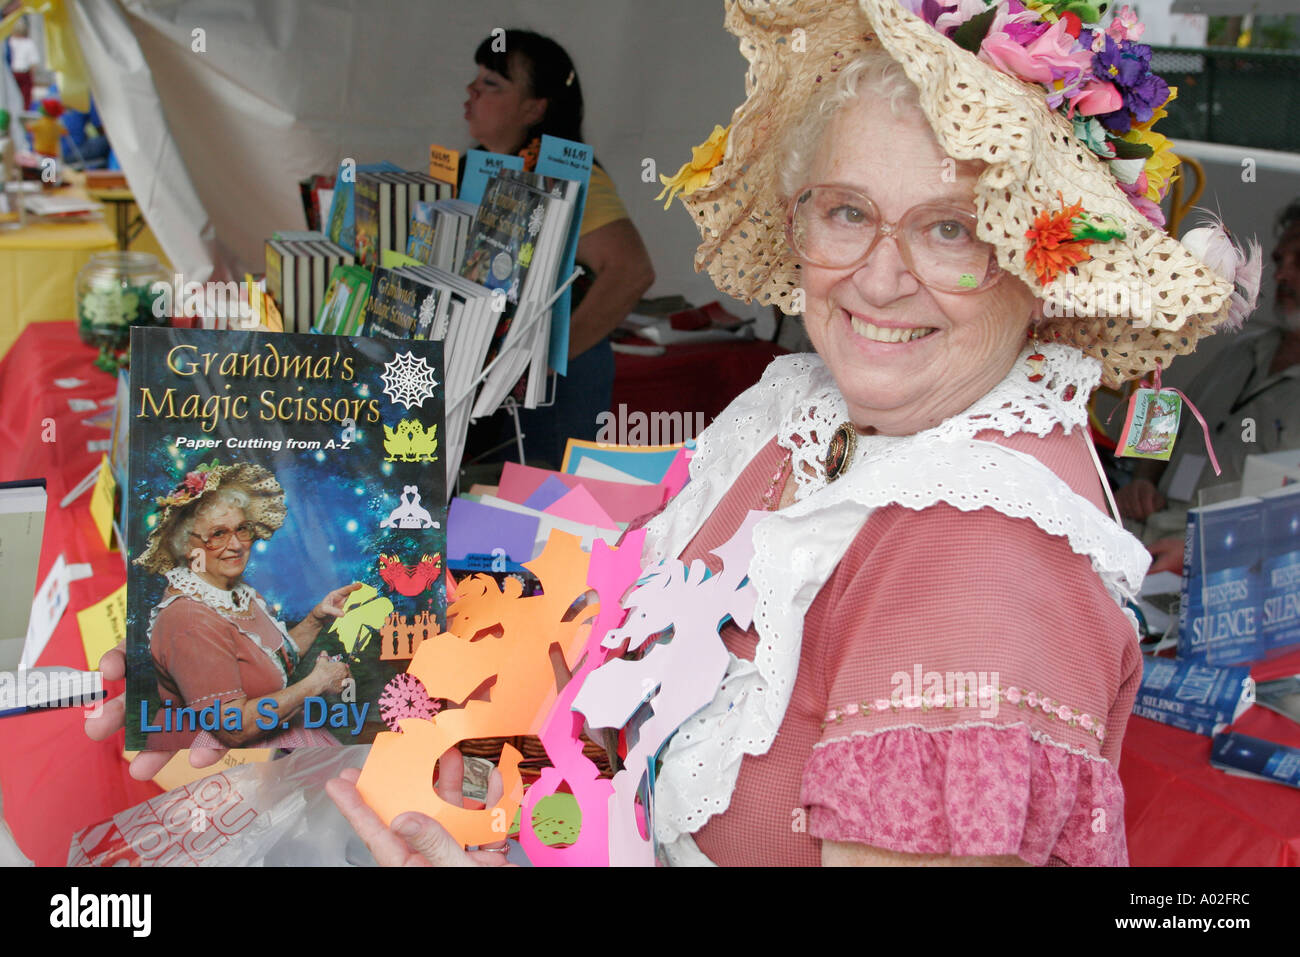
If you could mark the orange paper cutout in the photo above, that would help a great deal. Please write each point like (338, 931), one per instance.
(495, 634)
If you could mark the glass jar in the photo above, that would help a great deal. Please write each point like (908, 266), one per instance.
(116, 291)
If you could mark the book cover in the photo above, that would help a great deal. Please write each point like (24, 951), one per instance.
(1174, 720)
(367, 218)
(341, 226)
(570, 160)
(286, 533)
(1222, 599)
(400, 306)
(419, 239)
(1195, 691)
(1256, 758)
(1280, 627)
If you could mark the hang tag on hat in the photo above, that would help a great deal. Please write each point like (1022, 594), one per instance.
(1152, 424)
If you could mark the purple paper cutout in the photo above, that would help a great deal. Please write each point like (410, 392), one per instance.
(547, 494)
(475, 528)
(677, 678)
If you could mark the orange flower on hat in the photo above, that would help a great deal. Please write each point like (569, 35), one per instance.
(1053, 247)
(695, 174)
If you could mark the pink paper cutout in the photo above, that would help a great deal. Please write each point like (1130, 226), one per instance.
(678, 678)
(679, 472)
(611, 572)
(621, 502)
(577, 505)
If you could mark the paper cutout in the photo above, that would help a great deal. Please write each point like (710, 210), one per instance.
(679, 473)
(556, 820)
(409, 442)
(546, 524)
(590, 468)
(621, 502)
(496, 637)
(611, 573)
(647, 462)
(48, 606)
(409, 514)
(408, 379)
(678, 677)
(405, 697)
(102, 503)
(400, 637)
(477, 529)
(103, 625)
(578, 506)
(409, 580)
(547, 494)
(364, 610)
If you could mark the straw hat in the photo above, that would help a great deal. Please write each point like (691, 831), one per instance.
(1040, 179)
(265, 508)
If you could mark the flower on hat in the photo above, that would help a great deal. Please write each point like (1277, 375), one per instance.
(695, 174)
(1160, 165)
(1058, 240)
(193, 485)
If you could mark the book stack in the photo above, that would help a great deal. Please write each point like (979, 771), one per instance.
(1195, 697)
(425, 302)
(514, 249)
(1241, 579)
(438, 232)
(384, 200)
(298, 268)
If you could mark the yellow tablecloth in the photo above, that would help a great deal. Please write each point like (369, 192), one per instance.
(38, 271)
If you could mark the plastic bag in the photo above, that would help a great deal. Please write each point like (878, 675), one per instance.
(273, 813)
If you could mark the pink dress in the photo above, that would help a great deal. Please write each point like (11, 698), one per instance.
(202, 656)
(963, 687)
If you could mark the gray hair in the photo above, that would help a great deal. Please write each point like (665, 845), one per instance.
(873, 72)
(180, 537)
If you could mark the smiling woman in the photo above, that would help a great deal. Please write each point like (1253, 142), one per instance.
(214, 642)
(936, 508)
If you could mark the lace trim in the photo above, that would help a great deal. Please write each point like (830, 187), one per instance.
(1041, 737)
(796, 549)
(233, 601)
(984, 697)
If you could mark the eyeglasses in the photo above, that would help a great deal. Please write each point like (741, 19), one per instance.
(838, 228)
(220, 538)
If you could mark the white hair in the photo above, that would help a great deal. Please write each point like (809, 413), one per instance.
(180, 537)
(873, 72)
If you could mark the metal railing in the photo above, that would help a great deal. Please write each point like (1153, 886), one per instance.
(1226, 95)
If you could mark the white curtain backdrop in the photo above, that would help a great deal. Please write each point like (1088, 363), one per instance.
(218, 108)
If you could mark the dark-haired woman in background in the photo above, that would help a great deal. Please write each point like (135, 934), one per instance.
(521, 92)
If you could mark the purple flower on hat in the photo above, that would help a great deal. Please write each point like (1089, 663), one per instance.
(1127, 65)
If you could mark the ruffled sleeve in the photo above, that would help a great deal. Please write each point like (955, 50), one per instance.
(978, 679)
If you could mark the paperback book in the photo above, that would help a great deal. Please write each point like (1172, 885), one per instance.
(286, 534)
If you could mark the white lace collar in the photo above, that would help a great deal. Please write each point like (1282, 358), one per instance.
(234, 601)
(796, 549)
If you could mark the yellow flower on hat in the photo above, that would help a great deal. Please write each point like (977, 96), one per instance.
(1160, 112)
(1160, 165)
(696, 173)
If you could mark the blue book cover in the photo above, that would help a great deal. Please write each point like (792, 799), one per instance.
(1222, 604)
(286, 530)
(1195, 691)
(341, 226)
(1179, 721)
(1256, 758)
(1281, 570)
(565, 159)
(419, 234)
(481, 166)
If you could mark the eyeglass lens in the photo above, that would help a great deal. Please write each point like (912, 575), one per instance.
(834, 227)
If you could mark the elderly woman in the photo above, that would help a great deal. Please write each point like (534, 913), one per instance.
(940, 668)
(212, 637)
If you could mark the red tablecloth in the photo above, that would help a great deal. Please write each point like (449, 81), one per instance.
(56, 780)
(1179, 810)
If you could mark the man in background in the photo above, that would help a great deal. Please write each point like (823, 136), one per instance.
(1250, 398)
(23, 57)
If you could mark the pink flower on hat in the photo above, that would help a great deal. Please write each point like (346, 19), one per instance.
(1049, 57)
